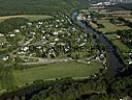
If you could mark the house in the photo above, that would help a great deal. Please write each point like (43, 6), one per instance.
(12, 35)
(5, 58)
(23, 27)
(56, 39)
(44, 37)
(39, 47)
(55, 33)
(82, 44)
(32, 33)
(16, 30)
(1, 35)
(51, 53)
(21, 52)
(130, 62)
(57, 20)
(40, 23)
(29, 24)
(25, 49)
(52, 44)
(43, 31)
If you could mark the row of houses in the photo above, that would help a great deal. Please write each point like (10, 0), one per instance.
(111, 2)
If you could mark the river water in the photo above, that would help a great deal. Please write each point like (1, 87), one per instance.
(114, 62)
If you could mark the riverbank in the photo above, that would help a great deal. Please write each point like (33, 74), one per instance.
(114, 62)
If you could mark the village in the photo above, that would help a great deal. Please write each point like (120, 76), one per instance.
(65, 50)
(49, 40)
(115, 25)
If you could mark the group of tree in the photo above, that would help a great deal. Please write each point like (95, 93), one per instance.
(100, 87)
(126, 36)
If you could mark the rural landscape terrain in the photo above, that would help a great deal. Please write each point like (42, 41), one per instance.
(65, 49)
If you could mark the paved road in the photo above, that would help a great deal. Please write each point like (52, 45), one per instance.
(45, 61)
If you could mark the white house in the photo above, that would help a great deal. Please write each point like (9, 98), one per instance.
(1, 35)
(12, 35)
(16, 30)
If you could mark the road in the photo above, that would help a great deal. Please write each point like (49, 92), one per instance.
(42, 61)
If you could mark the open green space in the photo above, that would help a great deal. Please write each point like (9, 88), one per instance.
(109, 27)
(117, 42)
(53, 71)
(122, 48)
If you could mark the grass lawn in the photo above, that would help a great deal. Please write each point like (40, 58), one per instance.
(109, 27)
(57, 70)
(29, 17)
(117, 42)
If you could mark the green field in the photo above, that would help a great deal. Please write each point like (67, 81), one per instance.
(117, 42)
(109, 27)
(109, 31)
(121, 47)
(53, 71)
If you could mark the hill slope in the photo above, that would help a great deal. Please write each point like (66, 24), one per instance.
(13, 7)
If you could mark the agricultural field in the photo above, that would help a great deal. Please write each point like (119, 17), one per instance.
(53, 71)
(50, 7)
(111, 26)
(110, 31)
(19, 78)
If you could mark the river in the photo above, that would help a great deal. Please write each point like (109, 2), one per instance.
(114, 62)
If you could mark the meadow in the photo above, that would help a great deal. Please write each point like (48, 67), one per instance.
(53, 71)
(109, 27)
(19, 78)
